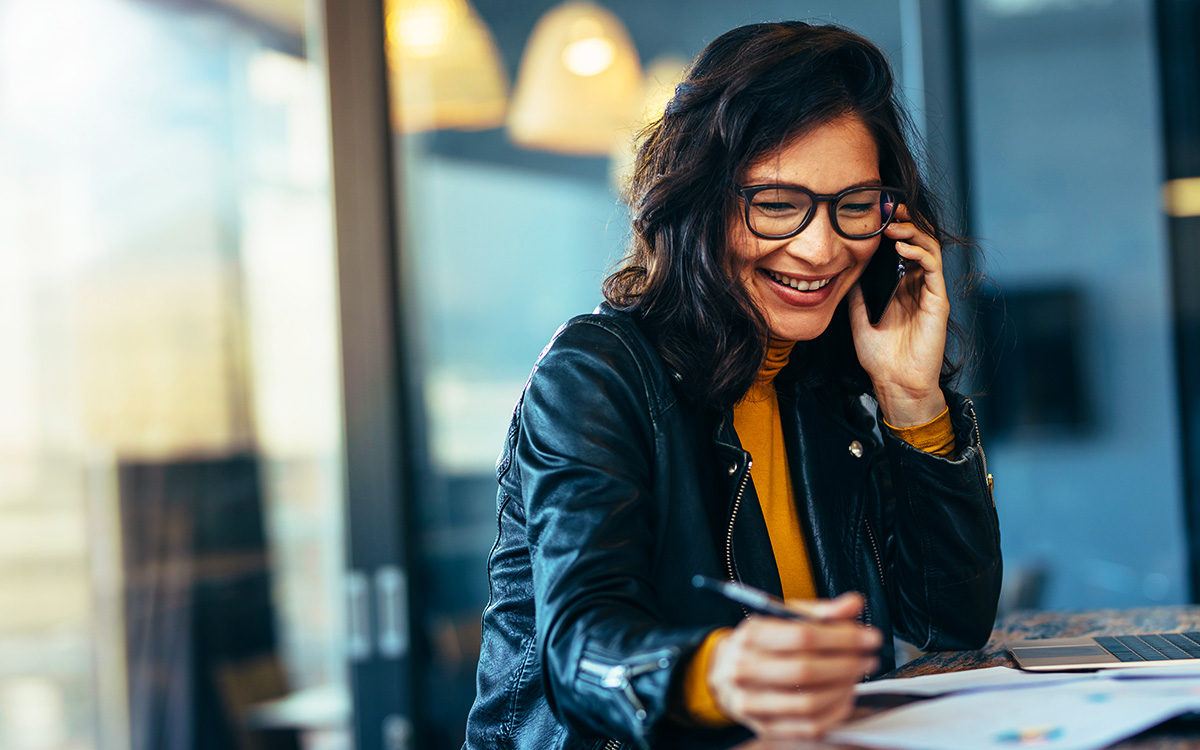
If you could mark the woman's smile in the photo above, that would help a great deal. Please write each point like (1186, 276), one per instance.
(801, 285)
(797, 291)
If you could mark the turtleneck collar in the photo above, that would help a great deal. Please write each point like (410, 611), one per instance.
(777, 356)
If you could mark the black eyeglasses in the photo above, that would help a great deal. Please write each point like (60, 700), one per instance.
(776, 212)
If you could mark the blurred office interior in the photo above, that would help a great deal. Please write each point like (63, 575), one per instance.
(273, 274)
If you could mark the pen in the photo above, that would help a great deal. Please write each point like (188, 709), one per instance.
(757, 600)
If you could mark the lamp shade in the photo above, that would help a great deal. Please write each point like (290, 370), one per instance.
(1181, 197)
(444, 68)
(578, 84)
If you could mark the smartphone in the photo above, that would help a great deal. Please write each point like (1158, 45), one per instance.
(880, 279)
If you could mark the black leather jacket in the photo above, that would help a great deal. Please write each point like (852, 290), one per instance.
(613, 494)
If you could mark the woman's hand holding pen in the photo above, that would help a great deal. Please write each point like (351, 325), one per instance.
(903, 354)
(791, 678)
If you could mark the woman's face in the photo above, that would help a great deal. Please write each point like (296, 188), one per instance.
(798, 282)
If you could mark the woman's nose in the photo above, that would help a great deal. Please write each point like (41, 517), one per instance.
(817, 243)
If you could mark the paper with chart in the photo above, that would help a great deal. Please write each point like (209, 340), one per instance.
(1079, 715)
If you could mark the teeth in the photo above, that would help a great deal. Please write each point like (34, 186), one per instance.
(799, 284)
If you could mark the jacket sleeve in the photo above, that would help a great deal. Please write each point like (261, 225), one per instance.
(583, 453)
(943, 548)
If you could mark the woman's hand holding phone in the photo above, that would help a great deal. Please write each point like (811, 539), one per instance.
(903, 352)
(792, 679)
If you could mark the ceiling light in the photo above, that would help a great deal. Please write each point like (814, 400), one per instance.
(579, 82)
(444, 68)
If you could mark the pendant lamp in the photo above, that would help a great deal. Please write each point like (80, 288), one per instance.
(578, 83)
(1181, 197)
(444, 68)
(663, 75)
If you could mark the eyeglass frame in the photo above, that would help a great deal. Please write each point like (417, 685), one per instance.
(747, 192)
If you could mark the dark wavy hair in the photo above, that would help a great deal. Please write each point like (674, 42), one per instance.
(750, 92)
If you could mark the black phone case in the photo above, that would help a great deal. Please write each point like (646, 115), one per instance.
(880, 280)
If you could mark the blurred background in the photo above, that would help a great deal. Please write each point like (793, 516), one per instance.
(273, 274)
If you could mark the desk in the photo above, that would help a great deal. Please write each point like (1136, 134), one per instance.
(1177, 735)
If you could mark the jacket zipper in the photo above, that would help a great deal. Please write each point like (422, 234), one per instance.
(737, 504)
(874, 550)
(620, 677)
(987, 477)
(878, 567)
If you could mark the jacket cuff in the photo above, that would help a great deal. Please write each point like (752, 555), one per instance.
(959, 419)
(935, 436)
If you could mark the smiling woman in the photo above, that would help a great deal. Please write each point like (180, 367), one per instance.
(732, 413)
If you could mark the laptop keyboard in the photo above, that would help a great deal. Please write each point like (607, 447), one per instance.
(1152, 647)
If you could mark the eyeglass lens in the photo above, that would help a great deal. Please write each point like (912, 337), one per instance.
(783, 211)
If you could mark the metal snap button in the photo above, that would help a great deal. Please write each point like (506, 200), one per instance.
(732, 469)
(856, 449)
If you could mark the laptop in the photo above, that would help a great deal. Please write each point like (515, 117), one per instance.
(1105, 652)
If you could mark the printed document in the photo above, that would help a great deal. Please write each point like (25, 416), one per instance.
(1091, 712)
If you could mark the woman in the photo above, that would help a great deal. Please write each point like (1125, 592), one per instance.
(663, 436)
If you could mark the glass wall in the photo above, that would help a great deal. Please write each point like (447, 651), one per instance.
(170, 452)
(1066, 176)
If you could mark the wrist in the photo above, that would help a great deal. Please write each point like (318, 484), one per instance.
(902, 408)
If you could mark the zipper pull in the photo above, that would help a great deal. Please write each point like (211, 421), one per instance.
(620, 677)
(983, 456)
(661, 662)
(617, 678)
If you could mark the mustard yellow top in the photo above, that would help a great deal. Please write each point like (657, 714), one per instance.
(756, 419)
